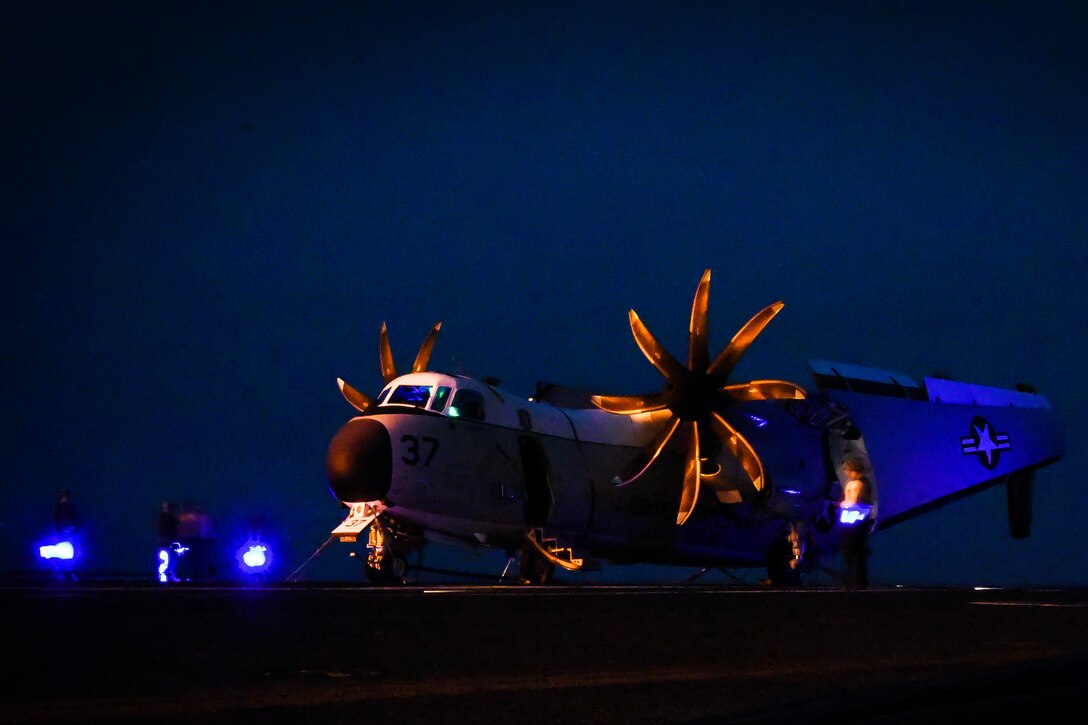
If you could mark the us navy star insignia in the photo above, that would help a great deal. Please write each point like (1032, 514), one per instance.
(984, 442)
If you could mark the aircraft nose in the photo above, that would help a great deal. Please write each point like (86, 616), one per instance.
(360, 461)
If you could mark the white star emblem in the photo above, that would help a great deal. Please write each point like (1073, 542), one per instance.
(984, 443)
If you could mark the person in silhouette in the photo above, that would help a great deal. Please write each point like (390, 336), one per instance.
(166, 534)
(65, 523)
(856, 502)
(195, 532)
(166, 525)
(65, 519)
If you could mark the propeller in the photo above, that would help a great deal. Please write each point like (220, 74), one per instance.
(695, 394)
(361, 401)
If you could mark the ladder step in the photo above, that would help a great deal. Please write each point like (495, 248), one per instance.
(562, 555)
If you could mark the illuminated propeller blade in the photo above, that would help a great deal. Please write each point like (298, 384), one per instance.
(629, 404)
(389, 370)
(424, 356)
(698, 354)
(740, 448)
(694, 393)
(654, 351)
(690, 495)
(727, 359)
(655, 447)
(361, 401)
(763, 390)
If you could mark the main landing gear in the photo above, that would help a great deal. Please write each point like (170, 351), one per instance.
(535, 568)
(784, 557)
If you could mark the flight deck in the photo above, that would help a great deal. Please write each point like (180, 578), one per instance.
(514, 654)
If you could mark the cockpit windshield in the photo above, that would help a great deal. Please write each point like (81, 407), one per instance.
(440, 397)
(414, 395)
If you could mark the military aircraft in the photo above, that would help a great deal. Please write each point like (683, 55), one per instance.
(704, 473)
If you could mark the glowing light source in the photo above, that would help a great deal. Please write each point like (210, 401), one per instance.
(168, 559)
(254, 557)
(850, 515)
(61, 550)
(760, 422)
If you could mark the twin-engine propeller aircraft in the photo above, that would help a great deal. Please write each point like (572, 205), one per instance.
(704, 473)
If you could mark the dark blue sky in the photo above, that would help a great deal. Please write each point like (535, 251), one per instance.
(209, 212)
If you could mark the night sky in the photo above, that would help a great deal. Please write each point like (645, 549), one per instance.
(209, 212)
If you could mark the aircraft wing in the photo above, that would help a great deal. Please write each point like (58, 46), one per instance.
(930, 444)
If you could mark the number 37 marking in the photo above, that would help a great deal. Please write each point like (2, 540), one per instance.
(413, 455)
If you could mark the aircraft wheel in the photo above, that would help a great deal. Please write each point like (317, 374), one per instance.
(392, 571)
(779, 555)
(535, 569)
(398, 567)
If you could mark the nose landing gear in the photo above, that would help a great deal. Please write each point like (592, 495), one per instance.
(387, 556)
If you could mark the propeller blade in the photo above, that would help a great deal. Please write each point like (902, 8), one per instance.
(389, 370)
(727, 359)
(629, 404)
(763, 390)
(658, 356)
(424, 356)
(654, 447)
(361, 401)
(690, 494)
(740, 448)
(698, 352)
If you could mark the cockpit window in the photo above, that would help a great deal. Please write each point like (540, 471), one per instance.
(384, 395)
(415, 395)
(441, 397)
(467, 404)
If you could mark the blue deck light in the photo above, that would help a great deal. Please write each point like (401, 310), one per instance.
(254, 557)
(62, 550)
